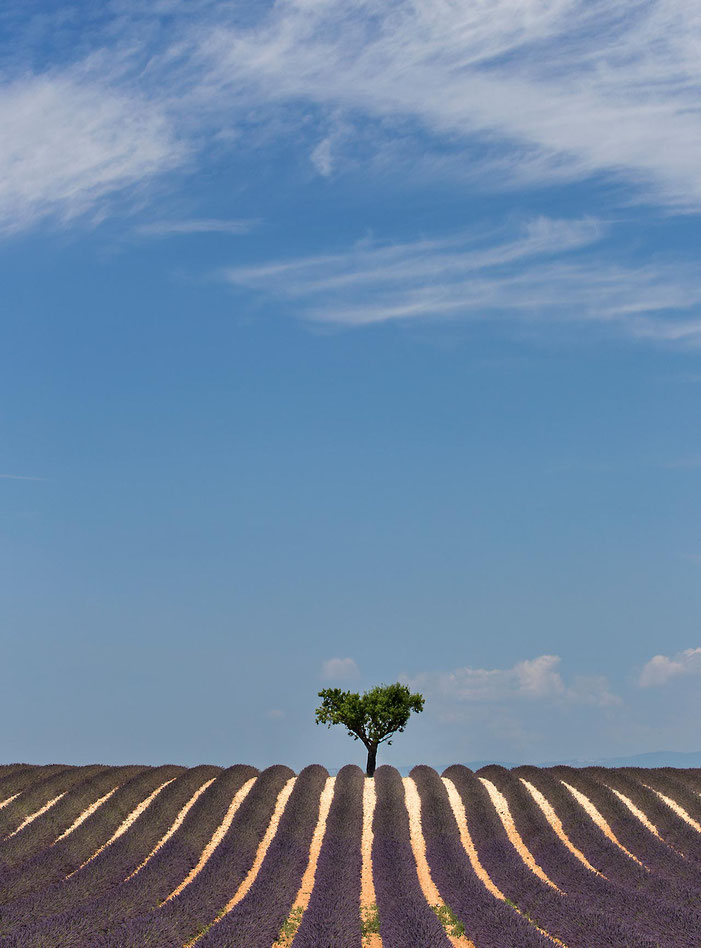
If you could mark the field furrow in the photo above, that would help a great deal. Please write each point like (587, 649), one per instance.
(370, 923)
(169, 865)
(248, 881)
(65, 816)
(39, 887)
(610, 907)
(675, 794)
(264, 901)
(653, 852)
(556, 823)
(591, 837)
(403, 909)
(453, 928)
(574, 921)
(191, 908)
(24, 778)
(78, 908)
(170, 857)
(35, 797)
(332, 915)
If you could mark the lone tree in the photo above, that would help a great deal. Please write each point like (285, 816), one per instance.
(371, 718)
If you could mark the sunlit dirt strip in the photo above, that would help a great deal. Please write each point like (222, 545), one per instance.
(84, 815)
(307, 884)
(502, 808)
(9, 799)
(554, 820)
(637, 813)
(217, 837)
(263, 847)
(37, 813)
(458, 808)
(676, 808)
(176, 825)
(368, 898)
(594, 814)
(124, 825)
(418, 845)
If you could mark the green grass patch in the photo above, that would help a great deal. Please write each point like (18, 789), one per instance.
(449, 920)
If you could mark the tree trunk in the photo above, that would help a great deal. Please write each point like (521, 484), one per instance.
(372, 760)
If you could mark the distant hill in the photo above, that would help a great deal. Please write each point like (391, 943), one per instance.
(651, 759)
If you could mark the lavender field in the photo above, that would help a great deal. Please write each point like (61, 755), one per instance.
(105, 857)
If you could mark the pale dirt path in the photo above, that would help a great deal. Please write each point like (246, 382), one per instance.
(37, 813)
(460, 815)
(9, 800)
(418, 844)
(502, 808)
(554, 820)
(637, 813)
(88, 811)
(368, 898)
(217, 837)
(176, 825)
(599, 820)
(263, 847)
(677, 808)
(124, 825)
(301, 901)
(458, 808)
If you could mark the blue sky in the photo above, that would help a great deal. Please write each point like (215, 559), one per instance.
(346, 343)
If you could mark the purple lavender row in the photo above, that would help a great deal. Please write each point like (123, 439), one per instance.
(678, 792)
(45, 830)
(686, 781)
(76, 914)
(689, 776)
(19, 781)
(488, 921)
(35, 890)
(673, 830)
(573, 920)
(191, 912)
(257, 920)
(6, 769)
(600, 851)
(168, 867)
(608, 908)
(333, 914)
(38, 795)
(405, 915)
(652, 852)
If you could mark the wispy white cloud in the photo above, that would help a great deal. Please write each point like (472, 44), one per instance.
(322, 158)
(661, 668)
(167, 228)
(529, 93)
(532, 275)
(339, 669)
(69, 142)
(536, 679)
(565, 88)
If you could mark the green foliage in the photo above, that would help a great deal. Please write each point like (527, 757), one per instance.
(290, 926)
(449, 920)
(369, 920)
(372, 717)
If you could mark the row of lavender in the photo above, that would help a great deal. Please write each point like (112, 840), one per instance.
(48, 897)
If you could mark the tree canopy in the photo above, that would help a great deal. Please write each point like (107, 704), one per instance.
(373, 717)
